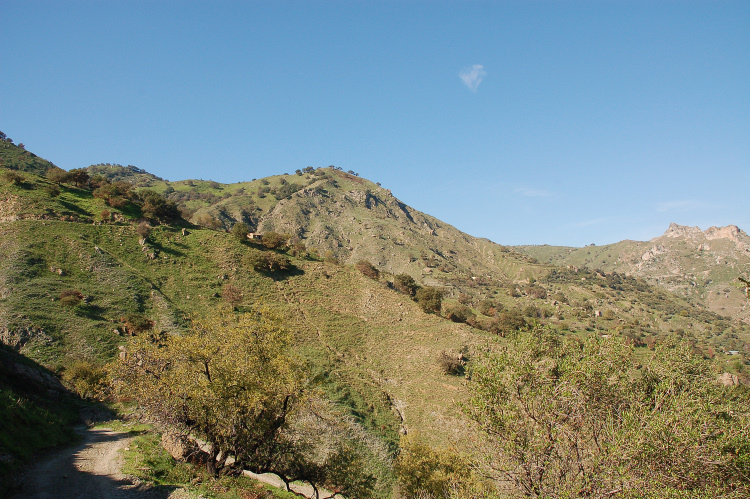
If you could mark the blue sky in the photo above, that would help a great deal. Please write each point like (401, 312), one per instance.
(526, 122)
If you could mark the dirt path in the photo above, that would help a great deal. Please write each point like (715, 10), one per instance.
(90, 470)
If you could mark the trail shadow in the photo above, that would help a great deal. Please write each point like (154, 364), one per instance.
(86, 471)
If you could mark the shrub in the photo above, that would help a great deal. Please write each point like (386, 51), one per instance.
(143, 229)
(430, 299)
(12, 177)
(458, 313)
(427, 473)
(487, 307)
(298, 249)
(274, 240)
(87, 379)
(232, 295)
(508, 322)
(330, 257)
(240, 231)
(59, 176)
(267, 261)
(135, 324)
(71, 297)
(52, 190)
(598, 419)
(450, 364)
(367, 269)
(536, 291)
(406, 284)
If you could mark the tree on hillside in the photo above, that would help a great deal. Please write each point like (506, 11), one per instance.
(274, 240)
(156, 206)
(59, 176)
(233, 383)
(569, 419)
(230, 381)
(406, 284)
(240, 231)
(267, 261)
(430, 299)
(79, 176)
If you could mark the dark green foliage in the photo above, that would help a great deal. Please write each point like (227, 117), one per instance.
(156, 207)
(274, 240)
(367, 269)
(458, 313)
(79, 176)
(240, 231)
(430, 299)
(406, 284)
(59, 176)
(116, 194)
(267, 261)
(508, 322)
(52, 190)
(285, 190)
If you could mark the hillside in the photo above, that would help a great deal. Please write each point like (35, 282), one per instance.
(82, 272)
(702, 266)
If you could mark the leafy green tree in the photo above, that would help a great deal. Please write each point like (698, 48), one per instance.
(59, 176)
(267, 261)
(406, 284)
(569, 419)
(459, 313)
(231, 381)
(155, 206)
(240, 231)
(274, 240)
(79, 176)
(430, 299)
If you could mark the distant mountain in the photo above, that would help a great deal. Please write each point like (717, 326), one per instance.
(702, 266)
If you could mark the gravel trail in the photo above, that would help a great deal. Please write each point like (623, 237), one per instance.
(90, 470)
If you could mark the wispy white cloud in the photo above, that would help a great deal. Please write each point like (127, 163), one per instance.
(685, 205)
(473, 76)
(533, 193)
